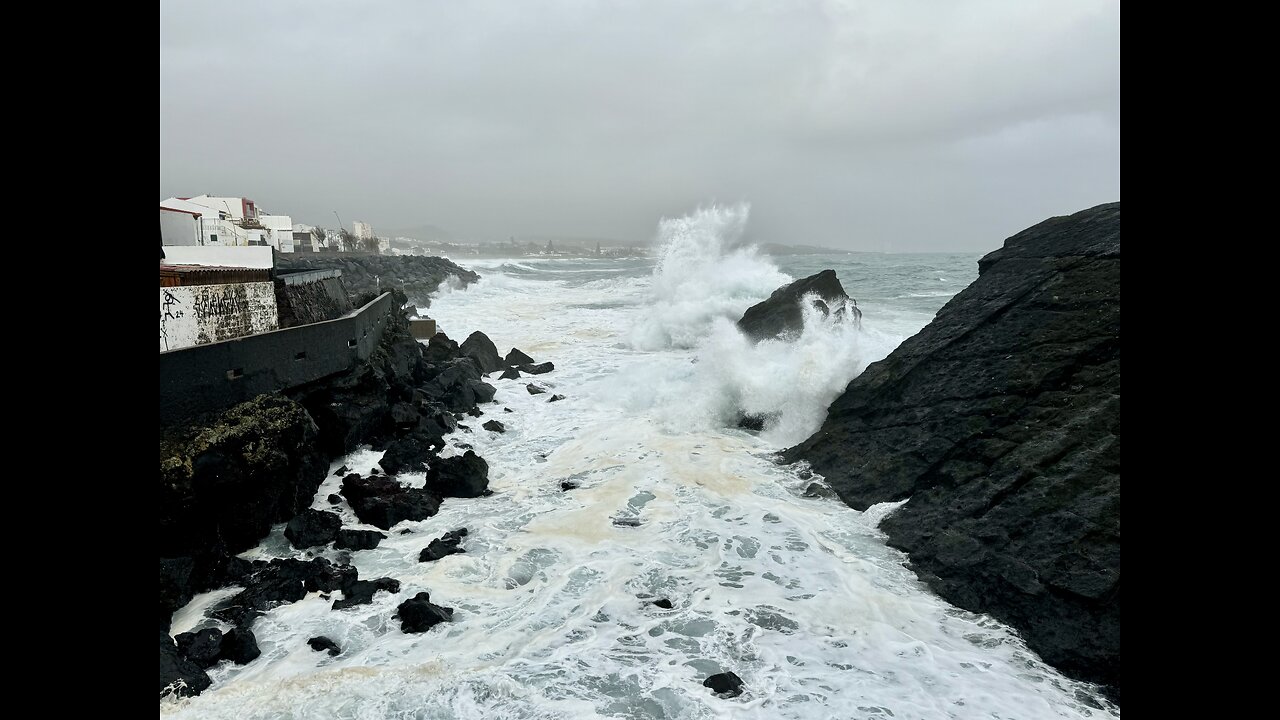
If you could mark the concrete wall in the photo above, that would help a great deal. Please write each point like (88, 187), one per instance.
(250, 257)
(180, 228)
(202, 314)
(212, 377)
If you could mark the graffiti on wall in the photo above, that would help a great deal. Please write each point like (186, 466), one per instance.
(200, 314)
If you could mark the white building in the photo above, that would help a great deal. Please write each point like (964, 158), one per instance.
(181, 227)
(233, 221)
(362, 231)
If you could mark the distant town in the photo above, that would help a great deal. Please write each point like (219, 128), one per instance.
(209, 220)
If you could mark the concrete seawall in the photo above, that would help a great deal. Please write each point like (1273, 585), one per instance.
(218, 375)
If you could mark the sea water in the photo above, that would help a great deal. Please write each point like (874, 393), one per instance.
(792, 590)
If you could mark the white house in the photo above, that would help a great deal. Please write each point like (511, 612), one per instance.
(233, 221)
(279, 231)
(362, 230)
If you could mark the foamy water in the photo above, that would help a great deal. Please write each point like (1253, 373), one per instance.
(797, 595)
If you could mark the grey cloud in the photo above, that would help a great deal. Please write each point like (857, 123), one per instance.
(907, 125)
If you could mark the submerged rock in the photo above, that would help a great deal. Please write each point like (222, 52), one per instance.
(782, 313)
(1001, 422)
(555, 398)
(663, 603)
(494, 426)
(312, 527)
(444, 545)
(324, 644)
(361, 592)
(567, 485)
(752, 422)
(535, 389)
(419, 614)
(725, 684)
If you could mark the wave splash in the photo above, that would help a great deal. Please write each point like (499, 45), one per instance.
(705, 279)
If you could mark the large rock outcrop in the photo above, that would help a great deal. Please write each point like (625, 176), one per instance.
(783, 313)
(1001, 422)
(226, 483)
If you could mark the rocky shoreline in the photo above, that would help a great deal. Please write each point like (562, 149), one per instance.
(414, 275)
(226, 480)
(999, 424)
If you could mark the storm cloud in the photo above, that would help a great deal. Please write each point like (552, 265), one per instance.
(910, 125)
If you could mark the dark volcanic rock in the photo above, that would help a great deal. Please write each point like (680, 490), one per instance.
(280, 581)
(324, 644)
(444, 545)
(383, 502)
(663, 603)
(555, 398)
(1001, 422)
(229, 481)
(725, 684)
(567, 485)
(409, 454)
(535, 389)
(334, 499)
(201, 648)
(178, 675)
(419, 614)
(481, 349)
(461, 476)
(239, 646)
(361, 592)
(312, 527)
(495, 426)
(752, 422)
(358, 539)
(536, 369)
(175, 586)
(510, 374)
(782, 314)
(515, 357)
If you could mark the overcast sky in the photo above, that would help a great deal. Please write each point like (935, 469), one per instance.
(904, 125)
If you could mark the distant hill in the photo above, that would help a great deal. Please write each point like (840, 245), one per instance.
(780, 249)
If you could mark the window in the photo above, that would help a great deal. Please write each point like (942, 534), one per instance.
(213, 238)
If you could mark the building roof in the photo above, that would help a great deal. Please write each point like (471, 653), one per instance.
(172, 275)
(189, 212)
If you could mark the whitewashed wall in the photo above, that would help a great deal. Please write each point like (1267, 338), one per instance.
(179, 228)
(200, 314)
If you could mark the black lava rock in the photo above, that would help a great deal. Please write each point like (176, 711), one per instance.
(444, 545)
(419, 614)
(725, 684)
(178, 675)
(383, 502)
(358, 539)
(782, 313)
(663, 603)
(312, 527)
(515, 357)
(334, 499)
(569, 485)
(480, 348)
(537, 369)
(495, 426)
(535, 389)
(239, 646)
(201, 648)
(510, 374)
(1000, 421)
(361, 592)
(324, 644)
(555, 398)
(463, 476)
(409, 454)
